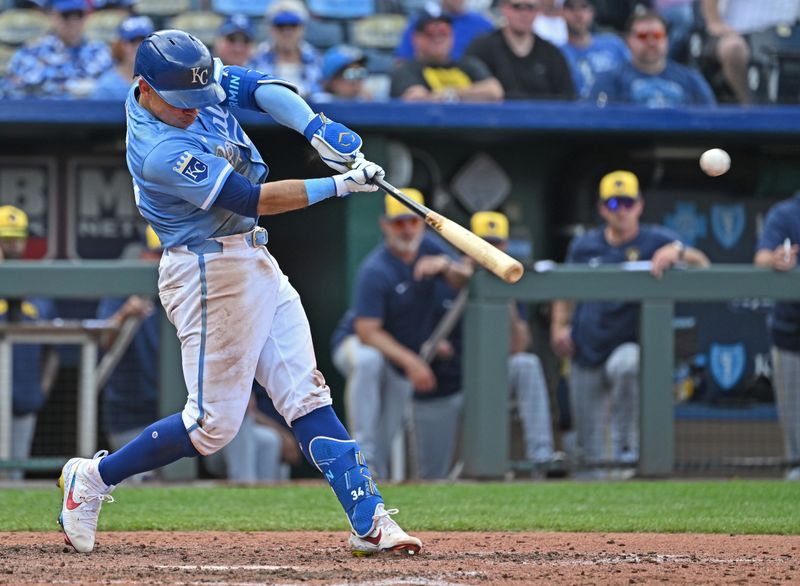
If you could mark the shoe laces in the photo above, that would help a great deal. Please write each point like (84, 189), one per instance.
(383, 518)
(93, 498)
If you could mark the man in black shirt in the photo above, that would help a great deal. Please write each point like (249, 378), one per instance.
(527, 66)
(433, 77)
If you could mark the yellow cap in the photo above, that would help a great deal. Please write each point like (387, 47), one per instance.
(395, 209)
(151, 238)
(492, 226)
(13, 222)
(619, 184)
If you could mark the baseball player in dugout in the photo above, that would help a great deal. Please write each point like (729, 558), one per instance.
(525, 374)
(600, 337)
(376, 344)
(199, 182)
(34, 366)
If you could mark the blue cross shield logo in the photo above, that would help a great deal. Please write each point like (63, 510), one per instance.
(727, 223)
(727, 364)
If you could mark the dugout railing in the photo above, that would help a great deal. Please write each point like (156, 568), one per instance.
(486, 445)
(485, 439)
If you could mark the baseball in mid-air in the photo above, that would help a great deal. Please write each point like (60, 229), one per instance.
(715, 162)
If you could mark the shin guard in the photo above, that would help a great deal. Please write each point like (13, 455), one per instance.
(347, 473)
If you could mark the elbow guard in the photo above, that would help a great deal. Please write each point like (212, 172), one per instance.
(240, 86)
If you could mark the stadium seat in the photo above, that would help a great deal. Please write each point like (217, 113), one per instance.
(381, 31)
(156, 8)
(6, 51)
(21, 24)
(255, 8)
(344, 9)
(203, 24)
(379, 61)
(102, 25)
(324, 34)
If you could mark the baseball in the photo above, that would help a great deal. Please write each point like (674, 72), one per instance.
(715, 162)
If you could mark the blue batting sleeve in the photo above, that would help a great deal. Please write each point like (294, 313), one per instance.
(319, 189)
(285, 106)
(239, 196)
(240, 85)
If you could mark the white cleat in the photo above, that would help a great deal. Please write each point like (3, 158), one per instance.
(386, 536)
(83, 494)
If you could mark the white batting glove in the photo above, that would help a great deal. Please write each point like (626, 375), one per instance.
(360, 178)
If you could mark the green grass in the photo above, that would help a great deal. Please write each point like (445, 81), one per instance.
(738, 506)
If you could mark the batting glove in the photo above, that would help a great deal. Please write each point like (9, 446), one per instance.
(360, 178)
(338, 146)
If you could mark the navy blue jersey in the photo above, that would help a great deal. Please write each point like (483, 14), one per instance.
(130, 397)
(26, 383)
(598, 327)
(386, 289)
(782, 222)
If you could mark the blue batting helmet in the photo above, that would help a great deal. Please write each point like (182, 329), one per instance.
(180, 69)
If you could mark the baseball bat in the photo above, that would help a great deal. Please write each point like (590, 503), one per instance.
(485, 254)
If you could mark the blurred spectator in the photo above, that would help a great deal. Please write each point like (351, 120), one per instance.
(287, 55)
(376, 343)
(433, 76)
(652, 79)
(601, 336)
(681, 23)
(344, 74)
(115, 82)
(527, 66)
(727, 25)
(34, 366)
(589, 55)
(550, 24)
(525, 373)
(467, 25)
(777, 248)
(62, 63)
(234, 41)
(264, 447)
(129, 402)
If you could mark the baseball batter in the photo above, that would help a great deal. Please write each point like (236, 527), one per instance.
(199, 181)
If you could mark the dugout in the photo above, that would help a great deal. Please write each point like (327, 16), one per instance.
(64, 164)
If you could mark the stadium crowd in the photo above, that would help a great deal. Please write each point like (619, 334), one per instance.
(657, 53)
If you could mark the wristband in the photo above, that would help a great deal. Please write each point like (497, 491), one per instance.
(319, 189)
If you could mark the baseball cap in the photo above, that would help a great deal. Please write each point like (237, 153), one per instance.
(13, 222)
(338, 57)
(491, 226)
(69, 5)
(236, 23)
(286, 12)
(135, 27)
(151, 239)
(567, 3)
(396, 210)
(619, 184)
(428, 16)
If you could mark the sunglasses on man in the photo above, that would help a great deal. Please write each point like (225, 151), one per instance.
(645, 36)
(615, 203)
(70, 14)
(524, 6)
(354, 74)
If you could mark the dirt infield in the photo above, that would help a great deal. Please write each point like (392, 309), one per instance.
(447, 558)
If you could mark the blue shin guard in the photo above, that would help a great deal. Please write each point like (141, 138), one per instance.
(347, 473)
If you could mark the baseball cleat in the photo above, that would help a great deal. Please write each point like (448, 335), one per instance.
(385, 536)
(83, 494)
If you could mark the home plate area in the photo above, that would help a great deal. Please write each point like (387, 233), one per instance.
(230, 558)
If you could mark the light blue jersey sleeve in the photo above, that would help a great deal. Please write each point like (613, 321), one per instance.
(186, 171)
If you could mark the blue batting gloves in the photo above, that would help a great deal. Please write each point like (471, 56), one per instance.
(338, 146)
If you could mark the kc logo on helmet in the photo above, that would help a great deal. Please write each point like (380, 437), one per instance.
(200, 75)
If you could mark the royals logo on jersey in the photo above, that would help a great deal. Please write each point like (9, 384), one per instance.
(191, 167)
